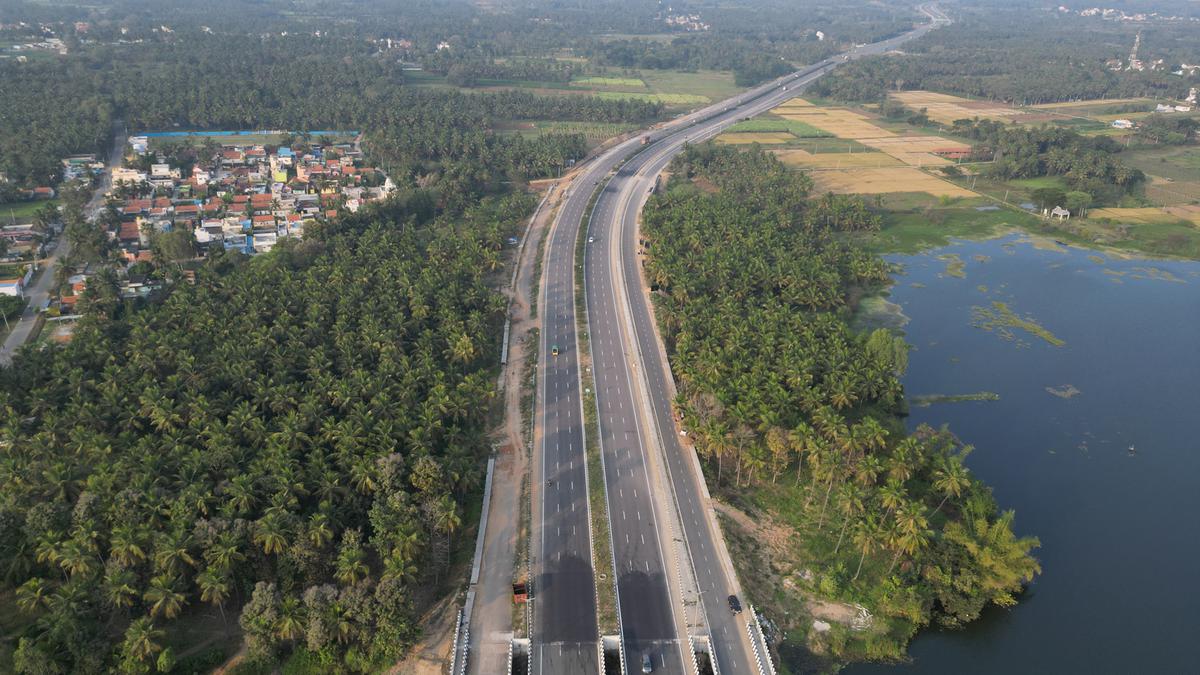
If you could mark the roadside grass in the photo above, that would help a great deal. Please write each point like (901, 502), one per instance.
(602, 555)
(535, 282)
(520, 612)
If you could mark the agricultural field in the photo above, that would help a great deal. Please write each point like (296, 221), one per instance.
(1174, 173)
(624, 82)
(675, 89)
(713, 85)
(793, 127)
(1148, 215)
(945, 108)
(1098, 107)
(764, 137)
(839, 122)
(885, 180)
(805, 159)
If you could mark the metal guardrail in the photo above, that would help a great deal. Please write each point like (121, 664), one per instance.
(754, 628)
(712, 656)
(510, 656)
(692, 653)
(754, 646)
(458, 624)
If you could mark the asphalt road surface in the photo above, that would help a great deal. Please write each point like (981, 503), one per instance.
(625, 348)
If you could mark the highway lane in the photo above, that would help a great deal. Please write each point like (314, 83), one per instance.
(616, 215)
(565, 633)
(644, 585)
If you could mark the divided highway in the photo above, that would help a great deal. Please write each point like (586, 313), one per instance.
(637, 432)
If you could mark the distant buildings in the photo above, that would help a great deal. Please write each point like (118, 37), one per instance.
(243, 198)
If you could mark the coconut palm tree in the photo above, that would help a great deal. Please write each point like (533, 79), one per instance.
(164, 597)
(951, 479)
(142, 641)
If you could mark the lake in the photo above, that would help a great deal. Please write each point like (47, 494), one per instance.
(1120, 527)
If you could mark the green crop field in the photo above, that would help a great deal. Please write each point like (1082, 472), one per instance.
(797, 129)
(22, 212)
(713, 85)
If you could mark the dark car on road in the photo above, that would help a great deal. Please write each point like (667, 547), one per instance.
(735, 605)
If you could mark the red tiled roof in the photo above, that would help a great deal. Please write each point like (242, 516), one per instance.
(129, 231)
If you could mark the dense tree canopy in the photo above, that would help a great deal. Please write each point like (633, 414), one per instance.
(295, 432)
(753, 283)
(1026, 55)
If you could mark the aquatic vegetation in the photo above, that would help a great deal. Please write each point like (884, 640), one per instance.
(1157, 273)
(1000, 318)
(876, 311)
(926, 400)
(955, 266)
(1065, 391)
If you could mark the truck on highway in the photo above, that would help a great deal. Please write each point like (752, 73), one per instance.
(646, 139)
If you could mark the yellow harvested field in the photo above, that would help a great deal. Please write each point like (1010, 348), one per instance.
(836, 160)
(764, 137)
(885, 180)
(1084, 104)
(837, 121)
(916, 144)
(1149, 215)
(1122, 116)
(794, 103)
(945, 108)
(1190, 213)
(911, 150)
(919, 158)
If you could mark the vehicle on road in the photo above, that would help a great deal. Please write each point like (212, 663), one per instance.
(647, 664)
(735, 605)
(591, 240)
(554, 350)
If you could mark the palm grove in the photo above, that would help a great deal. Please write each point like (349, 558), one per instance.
(753, 286)
(287, 445)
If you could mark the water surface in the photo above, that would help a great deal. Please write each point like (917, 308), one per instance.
(1120, 528)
